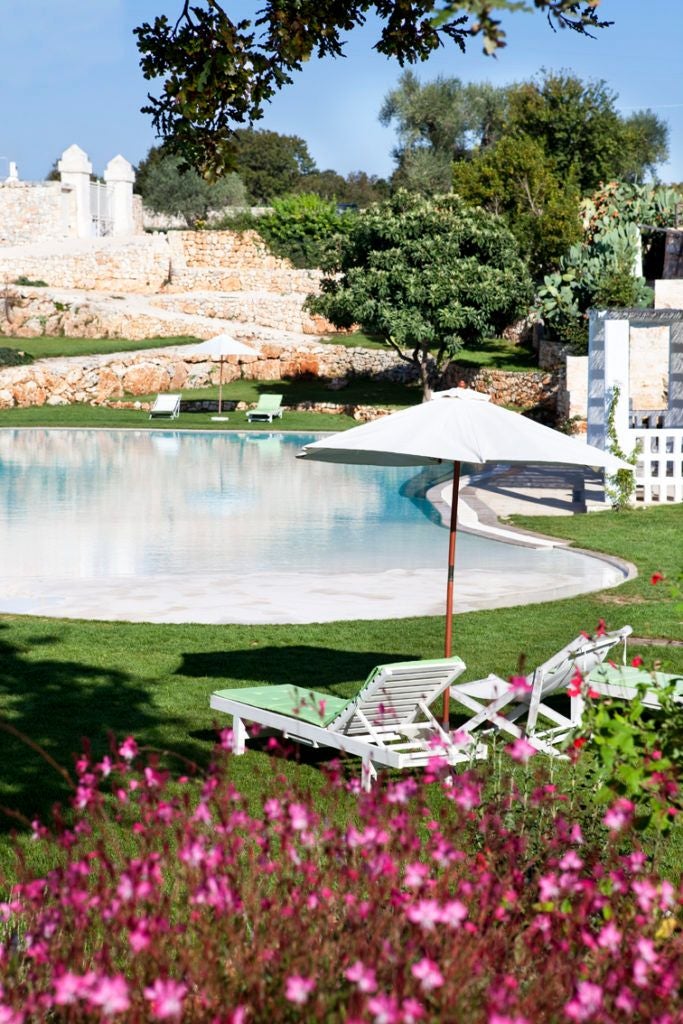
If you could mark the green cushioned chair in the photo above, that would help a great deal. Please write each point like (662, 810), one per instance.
(388, 723)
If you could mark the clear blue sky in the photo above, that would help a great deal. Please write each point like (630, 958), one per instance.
(69, 73)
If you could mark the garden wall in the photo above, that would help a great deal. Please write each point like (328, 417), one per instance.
(102, 379)
(180, 261)
(31, 210)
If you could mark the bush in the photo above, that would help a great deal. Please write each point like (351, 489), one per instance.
(301, 227)
(417, 902)
(13, 357)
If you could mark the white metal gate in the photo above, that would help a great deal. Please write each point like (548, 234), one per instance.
(101, 213)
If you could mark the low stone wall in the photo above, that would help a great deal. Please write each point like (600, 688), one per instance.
(36, 210)
(231, 249)
(282, 312)
(138, 265)
(282, 281)
(102, 379)
(533, 389)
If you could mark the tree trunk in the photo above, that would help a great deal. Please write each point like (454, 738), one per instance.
(424, 374)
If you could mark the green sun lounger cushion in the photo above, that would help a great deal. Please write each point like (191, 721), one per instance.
(293, 701)
(627, 675)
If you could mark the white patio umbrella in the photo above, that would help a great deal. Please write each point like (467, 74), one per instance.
(458, 425)
(222, 345)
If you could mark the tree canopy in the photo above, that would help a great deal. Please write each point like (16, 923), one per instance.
(516, 178)
(582, 131)
(165, 188)
(426, 274)
(438, 122)
(218, 73)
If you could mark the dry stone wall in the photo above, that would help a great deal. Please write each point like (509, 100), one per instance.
(29, 210)
(284, 312)
(137, 265)
(103, 379)
(230, 261)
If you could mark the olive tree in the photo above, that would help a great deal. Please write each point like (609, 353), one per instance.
(428, 275)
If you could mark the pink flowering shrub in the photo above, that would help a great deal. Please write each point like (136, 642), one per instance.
(177, 901)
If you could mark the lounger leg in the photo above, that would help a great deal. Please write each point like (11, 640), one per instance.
(368, 774)
(239, 736)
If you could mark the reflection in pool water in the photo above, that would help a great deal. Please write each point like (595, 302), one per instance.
(105, 506)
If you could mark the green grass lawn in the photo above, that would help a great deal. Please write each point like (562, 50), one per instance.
(86, 417)
(498, 354)
(493, 353)
(53, 348)
(62, 680)
(360, 391)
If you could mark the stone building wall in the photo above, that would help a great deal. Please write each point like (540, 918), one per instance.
(36, 210)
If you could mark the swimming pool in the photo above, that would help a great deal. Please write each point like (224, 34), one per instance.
(231, 527)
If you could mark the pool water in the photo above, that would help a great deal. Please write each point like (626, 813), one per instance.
(96, 512)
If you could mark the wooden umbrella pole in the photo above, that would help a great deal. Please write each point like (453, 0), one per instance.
(449, 583)
(220, 389)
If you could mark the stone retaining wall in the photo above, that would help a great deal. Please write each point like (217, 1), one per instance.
(102, 379)
(533, 389)
(283, 312)
(138, 265)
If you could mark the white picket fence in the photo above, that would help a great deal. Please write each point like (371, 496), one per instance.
(659, 470)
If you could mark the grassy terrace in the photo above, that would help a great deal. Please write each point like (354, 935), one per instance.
(55, 348)
(495, 353)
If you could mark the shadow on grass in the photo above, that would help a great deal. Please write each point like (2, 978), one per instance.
(56, 704)
(315, 668)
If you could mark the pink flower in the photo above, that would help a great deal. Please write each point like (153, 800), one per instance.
(428, 974)
(586, 1002)
(571, 861)
(110, 994)
(70, 987)
(609, 937)
(453, 913)
(364, 977)
(128, 749)
(499, 1018)
(411, 1011)
(298, 816)
(166, 997)
(619, 815)
(519, 685)
(385, 1009)
(299, 988)
(521, 750)
(139, 936)
(9, 1016)
(426, 913)
(415, 875)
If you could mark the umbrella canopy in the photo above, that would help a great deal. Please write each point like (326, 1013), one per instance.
(458, 425)
(219, 347)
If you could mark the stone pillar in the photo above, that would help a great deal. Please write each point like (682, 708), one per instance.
(119, 176)
(617, 334)
(75, 170)
(13, 172)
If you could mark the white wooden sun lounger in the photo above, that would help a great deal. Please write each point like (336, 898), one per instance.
(389, 723)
